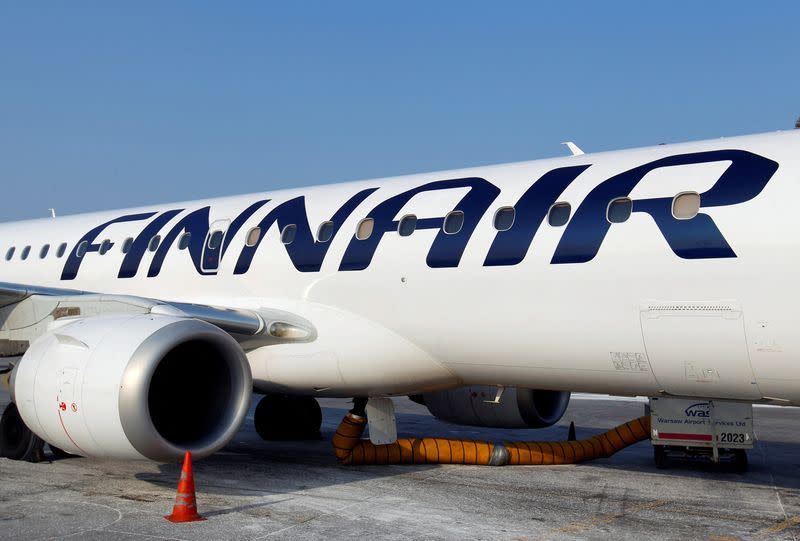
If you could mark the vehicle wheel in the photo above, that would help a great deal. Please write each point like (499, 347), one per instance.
(17, 441)
(660, 457)
(285, 417)
(739, 463)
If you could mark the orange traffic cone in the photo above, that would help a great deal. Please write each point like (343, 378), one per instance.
(185, 509)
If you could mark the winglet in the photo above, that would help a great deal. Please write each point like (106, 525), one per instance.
(576, 151)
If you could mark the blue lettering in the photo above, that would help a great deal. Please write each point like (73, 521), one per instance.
(447, 249)
(697, 238)
(73, 263)
(511, 246)
(305, 251)
(197, 224)
(130, 265)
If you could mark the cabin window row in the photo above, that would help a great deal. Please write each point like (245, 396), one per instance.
(324, 234)
(685, 206)
(43, 251)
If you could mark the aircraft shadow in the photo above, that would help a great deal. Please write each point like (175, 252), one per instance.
(249, 465)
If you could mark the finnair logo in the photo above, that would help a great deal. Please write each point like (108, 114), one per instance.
(695, 238)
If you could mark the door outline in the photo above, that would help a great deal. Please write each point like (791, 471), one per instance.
(210, 260)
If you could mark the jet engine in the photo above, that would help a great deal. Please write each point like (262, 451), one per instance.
(133, 386)
(517, 408)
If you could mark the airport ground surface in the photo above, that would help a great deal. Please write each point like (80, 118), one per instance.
(258, 490)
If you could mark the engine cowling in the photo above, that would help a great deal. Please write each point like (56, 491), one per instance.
(134, 386)
(518, 408)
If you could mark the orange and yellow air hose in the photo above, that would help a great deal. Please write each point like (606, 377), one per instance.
(351, 449)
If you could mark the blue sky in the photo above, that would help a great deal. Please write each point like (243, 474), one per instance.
(111, 104)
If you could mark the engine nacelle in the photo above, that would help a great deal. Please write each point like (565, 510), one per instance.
(134, 386)
(518, 408)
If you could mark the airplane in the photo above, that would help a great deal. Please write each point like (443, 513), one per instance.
(488, 294)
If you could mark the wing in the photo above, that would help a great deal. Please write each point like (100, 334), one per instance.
(26, 312)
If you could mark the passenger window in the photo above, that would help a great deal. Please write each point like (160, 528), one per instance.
(81, 250)
(686, 206)
(288, 234)
(453, 222)
(364, 229)
(215, 239)
(43, 251)
(105, 246)
(154, 243)
(126, 245)
(619, 210)
(24, 253)
(325, 231)
(10, 253)
(559, 214)
(504, 218)
(62, 249)
(407, 225)
(183, 242)
(252, 236)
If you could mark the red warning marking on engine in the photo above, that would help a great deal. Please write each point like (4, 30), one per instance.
(74, 407)
(62, 406)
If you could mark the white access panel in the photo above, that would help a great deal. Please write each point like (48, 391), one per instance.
(699, 349)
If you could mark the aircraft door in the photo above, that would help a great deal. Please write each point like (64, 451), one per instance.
(699, 349)
(212, 249)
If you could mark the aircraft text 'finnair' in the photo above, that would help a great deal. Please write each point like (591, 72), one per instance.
(697, 238)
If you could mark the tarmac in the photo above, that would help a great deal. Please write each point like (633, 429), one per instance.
(296, 490)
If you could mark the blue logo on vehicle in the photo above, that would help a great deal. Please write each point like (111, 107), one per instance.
(701, 409)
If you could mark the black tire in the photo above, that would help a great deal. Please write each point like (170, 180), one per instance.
(17, 442)
(311, 418)
(739, 463)
(660, 457)
(285, 417)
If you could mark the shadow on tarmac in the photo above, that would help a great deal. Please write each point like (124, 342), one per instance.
(250, 465)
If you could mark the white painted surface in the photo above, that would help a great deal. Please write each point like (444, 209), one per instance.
(400, 326)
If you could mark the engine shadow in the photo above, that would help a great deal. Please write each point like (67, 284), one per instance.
(250, 466)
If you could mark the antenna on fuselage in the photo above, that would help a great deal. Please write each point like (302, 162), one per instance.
(52, 213)
(576, 151)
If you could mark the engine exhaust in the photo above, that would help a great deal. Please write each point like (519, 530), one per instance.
(352, 450)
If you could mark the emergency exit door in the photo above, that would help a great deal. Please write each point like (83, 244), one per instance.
(215, 241)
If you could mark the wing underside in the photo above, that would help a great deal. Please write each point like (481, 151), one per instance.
(26, 312)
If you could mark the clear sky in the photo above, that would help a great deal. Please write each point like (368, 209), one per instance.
(112, 104)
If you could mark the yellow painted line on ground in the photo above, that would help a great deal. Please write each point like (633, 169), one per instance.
(715, 537)
(790, 522)
(594, 522)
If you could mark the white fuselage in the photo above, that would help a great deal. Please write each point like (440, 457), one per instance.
(634, 318)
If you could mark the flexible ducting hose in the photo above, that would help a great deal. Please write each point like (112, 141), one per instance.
(351, 449)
